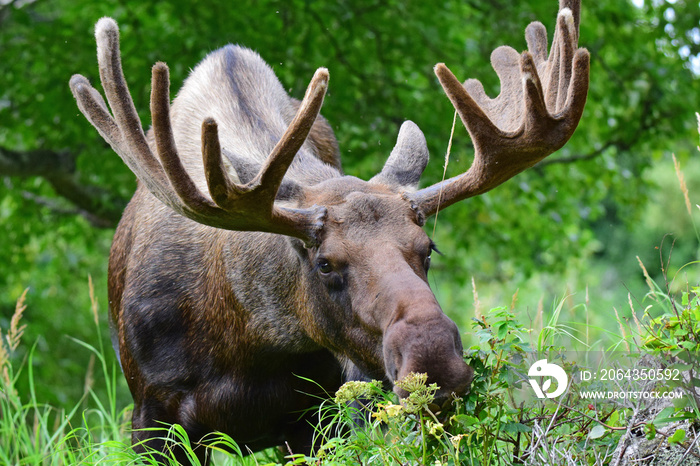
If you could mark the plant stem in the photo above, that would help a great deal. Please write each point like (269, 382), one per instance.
(423, 440)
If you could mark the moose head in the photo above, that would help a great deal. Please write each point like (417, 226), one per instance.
(247, 263)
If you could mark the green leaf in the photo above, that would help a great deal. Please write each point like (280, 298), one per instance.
(664, 416)
(689, 345)
(677, 437)
(666, 419)
(597, 432)
(651, 431)
(465, 420)
(681, 367)
(515, 427)
(613, 418)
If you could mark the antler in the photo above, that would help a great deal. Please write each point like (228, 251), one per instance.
(537, 111)
(249, 207)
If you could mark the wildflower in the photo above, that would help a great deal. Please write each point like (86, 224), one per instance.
(436, 429)
(353, 390)
(455, 439)
(420, 395)
(387, 411)
(413, 382)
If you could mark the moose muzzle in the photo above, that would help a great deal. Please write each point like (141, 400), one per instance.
(428, 342)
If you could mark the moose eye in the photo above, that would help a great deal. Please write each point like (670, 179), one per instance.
(324, 266)
(426, 263)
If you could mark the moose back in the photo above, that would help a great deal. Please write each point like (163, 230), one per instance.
(247, 264)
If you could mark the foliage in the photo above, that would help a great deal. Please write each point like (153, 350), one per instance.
(34, 432)
(490, 425)
(673, 337)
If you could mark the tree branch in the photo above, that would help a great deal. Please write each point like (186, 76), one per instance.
(579, 157)
(102, 208)
(37, 162)
(646, 121)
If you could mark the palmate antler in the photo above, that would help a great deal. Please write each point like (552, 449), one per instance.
(537, 111)
(248, 207)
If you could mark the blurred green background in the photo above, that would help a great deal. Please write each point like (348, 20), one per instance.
(575, 222)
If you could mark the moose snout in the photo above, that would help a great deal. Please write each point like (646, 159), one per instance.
(430, 346)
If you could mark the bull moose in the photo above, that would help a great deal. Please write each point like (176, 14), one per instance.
(247, 264)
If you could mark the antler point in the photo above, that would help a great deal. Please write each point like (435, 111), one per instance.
(77, 81)
(527, 66)
(568, 17)
(105, 25)
(581, 53)
(441, 71)
(322, 75)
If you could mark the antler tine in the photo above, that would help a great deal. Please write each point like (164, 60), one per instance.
(575, 7)
(267, 182)
(282, 155)
(133, 149)
(222, 189)
(537, 111)
(181, 182)
(565, 44)
(93, 106)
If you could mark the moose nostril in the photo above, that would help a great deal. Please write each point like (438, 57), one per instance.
(394, 376)
(393, 360)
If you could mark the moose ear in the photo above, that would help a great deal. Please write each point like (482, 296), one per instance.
(407, 160)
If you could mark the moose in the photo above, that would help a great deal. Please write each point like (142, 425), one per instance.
(249, 276)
